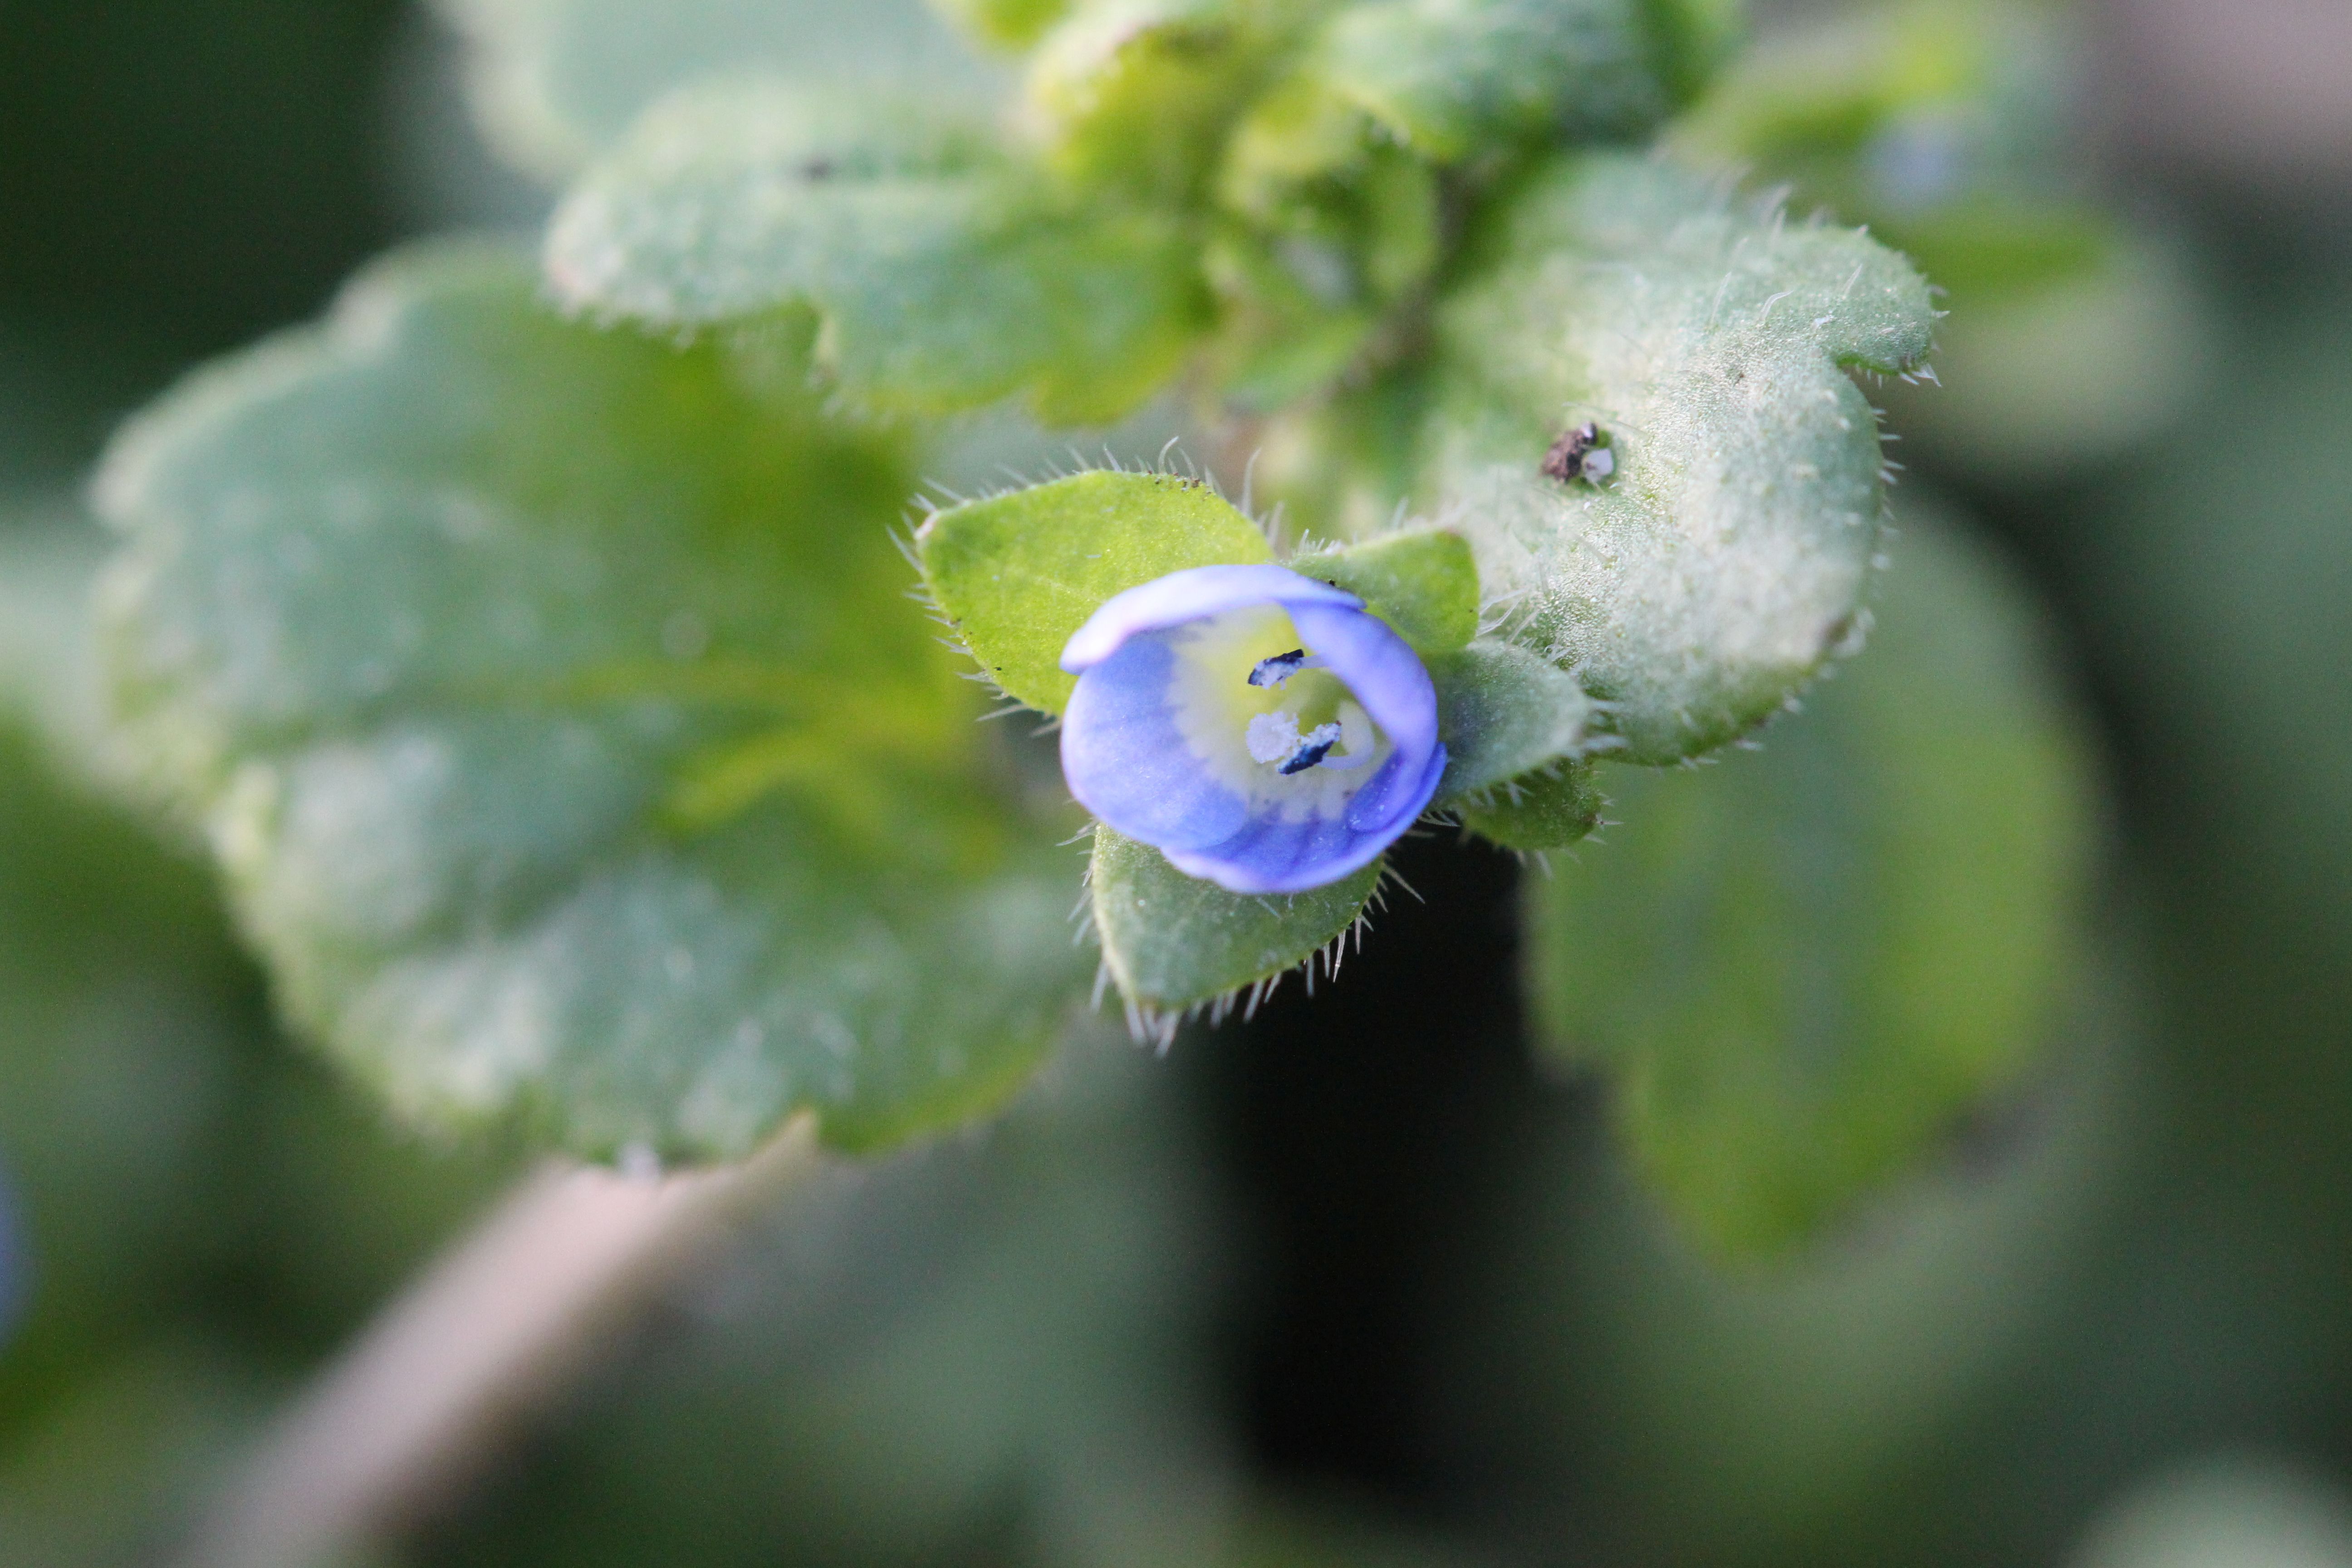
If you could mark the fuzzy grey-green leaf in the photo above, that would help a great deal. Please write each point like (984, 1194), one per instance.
(1700, 586)
(554, 82)
(1173, 942)
(1452, 78)
(443, 621)
(946, 275)
(1020, 572)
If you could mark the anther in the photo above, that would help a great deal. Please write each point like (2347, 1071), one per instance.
(1310, 753)
(1283, 665)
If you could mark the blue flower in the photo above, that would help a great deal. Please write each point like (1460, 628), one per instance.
(1261, 729)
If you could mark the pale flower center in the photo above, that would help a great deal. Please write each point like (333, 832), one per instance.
(1260, 710)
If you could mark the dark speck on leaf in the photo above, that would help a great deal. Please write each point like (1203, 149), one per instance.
(1579, 455)
(817, 169)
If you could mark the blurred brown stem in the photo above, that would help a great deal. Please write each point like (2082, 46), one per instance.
(493, 1329)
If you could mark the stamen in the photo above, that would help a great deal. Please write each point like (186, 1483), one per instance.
(1272, 737)
(1313, 747)
(1274, 671)
(1356, 733)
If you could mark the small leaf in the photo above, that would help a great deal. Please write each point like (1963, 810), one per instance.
(1701, 585)
(555, 82)
(1295, 135)
(1803, 966)
(553, 703)
(1550, 810)
(1423, 582)
(945, 275)
(1328, 233)
(1137, 95)
(1502, 711)
(1020, 572)
(1173, 942)
(1452, 78)
(1005, 24)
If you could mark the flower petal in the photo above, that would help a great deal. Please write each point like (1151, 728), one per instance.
(1192, 595)
(1272, 855)
(1128, 764)
(1389, 679)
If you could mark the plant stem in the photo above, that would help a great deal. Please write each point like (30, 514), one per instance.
(496, 1327)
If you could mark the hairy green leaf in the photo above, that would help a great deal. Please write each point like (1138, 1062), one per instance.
(1803, 966)
(1699, 586)
(1173, 942)
(1019, 574)
(554, 82)
(1547, 810)
(553, 703)
(1423, 582)
(946, 275)
(1502, 711)
(1452, 78)
(153, 1132)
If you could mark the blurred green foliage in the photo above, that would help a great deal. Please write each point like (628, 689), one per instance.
(193, 172)
(1960, 132)
(554, 82)
(1990, 1330)
(201, 1211)
(982, 1355)
(1802, 966)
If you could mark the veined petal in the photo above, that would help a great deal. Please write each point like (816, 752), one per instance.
(1389, 679)
(1127, 760)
